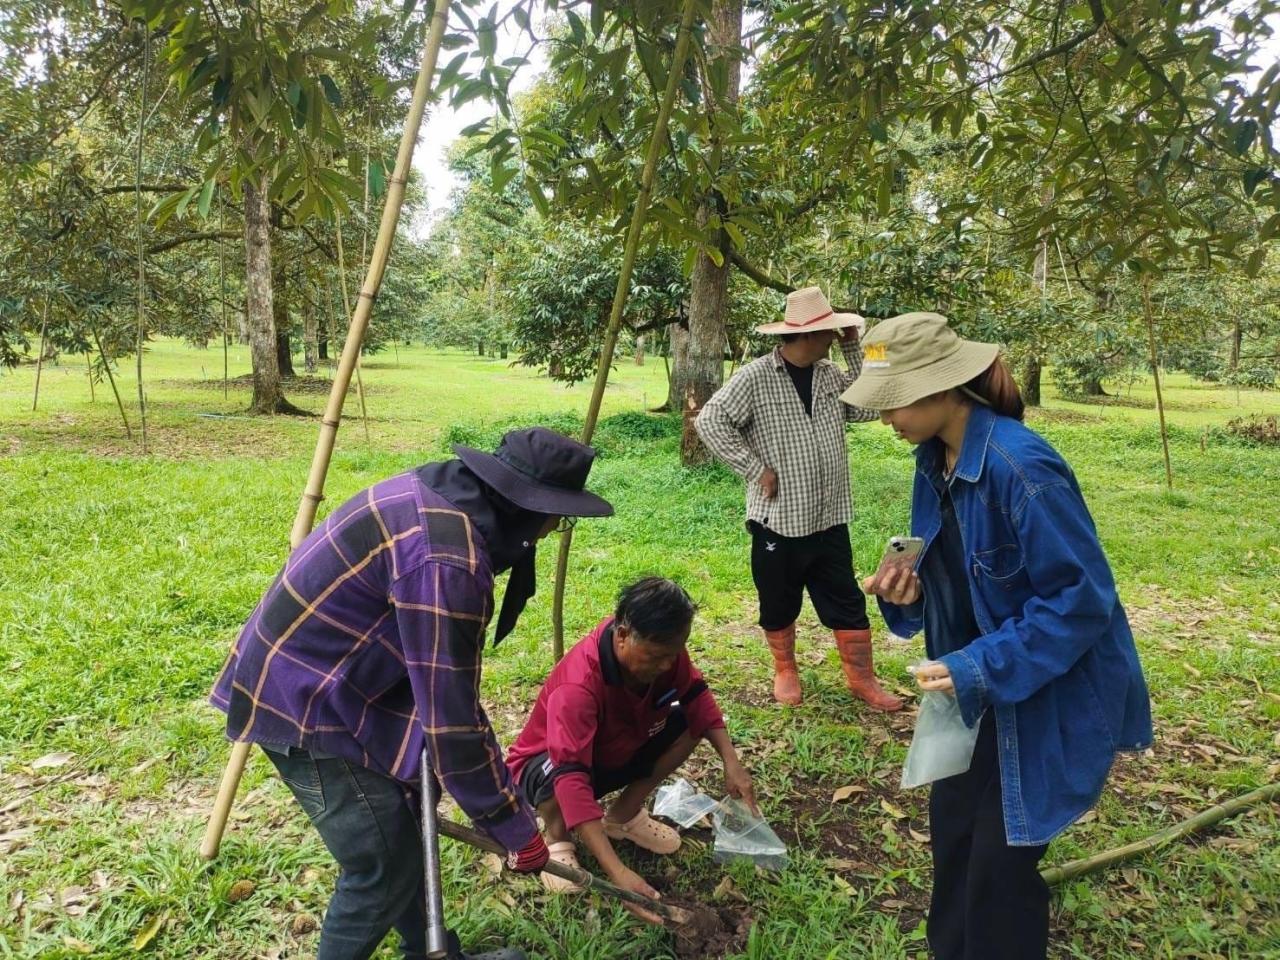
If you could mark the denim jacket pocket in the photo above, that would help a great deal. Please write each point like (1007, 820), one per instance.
(1002, 566)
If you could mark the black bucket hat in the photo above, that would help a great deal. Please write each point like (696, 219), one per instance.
(539, 470)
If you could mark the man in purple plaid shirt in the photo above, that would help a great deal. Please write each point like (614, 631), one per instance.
(369, 644)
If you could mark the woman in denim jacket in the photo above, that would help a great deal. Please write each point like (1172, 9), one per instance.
(1022, 625)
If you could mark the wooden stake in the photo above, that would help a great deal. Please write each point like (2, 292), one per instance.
(638, 216)
(1155, 372)
(314, 491)
(106, 365)
(1162, 838)
(44, 323)
(142, 259)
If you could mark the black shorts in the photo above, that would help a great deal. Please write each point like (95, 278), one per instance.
(822, 563)
(538, 775)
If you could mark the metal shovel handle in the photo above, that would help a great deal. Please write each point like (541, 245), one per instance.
(582, 878)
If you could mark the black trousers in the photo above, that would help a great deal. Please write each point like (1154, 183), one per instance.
(822, 563)
(370, 827)
(989, 902)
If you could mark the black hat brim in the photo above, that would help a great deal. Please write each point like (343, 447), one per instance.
(529, 494)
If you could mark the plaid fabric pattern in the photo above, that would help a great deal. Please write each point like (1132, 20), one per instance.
(756, 420)
(370, 640)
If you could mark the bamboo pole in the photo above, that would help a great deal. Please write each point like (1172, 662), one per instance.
(142, 258)
(314, 491)
(1155, 372)
(346, 306)
(106, 365)
(620, 294)
(1162, 838)
(222, 295)
(44, 325)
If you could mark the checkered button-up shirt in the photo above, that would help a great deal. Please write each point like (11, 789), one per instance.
(370, 640)
(757, 420)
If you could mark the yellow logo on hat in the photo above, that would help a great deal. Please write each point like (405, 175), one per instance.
(875, 355)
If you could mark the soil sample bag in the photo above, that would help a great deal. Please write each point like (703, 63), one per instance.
(681, 803)
(942, 745)
(739, 833)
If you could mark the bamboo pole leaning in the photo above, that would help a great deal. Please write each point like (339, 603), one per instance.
(346, 306)
(1162, 838)
(638, 216)
(314, 491)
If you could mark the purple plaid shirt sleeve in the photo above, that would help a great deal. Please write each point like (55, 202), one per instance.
(441, 616)
(369, 642)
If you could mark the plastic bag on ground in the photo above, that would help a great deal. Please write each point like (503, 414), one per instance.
(942, 745)
(740, 833)
(681, 803)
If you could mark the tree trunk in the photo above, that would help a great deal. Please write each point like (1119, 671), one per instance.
(678, 336)
(555, 369)
(502, 351)
(480, 347)
(1237, 339)
(322, 348)
(267, 397)
(1093, 388)
(280, 308)
(1031, 381)
(310, 335)
(640, 350)
(709, 286)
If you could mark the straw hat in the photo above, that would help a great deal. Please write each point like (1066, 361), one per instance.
(911, 356)
(809, 311)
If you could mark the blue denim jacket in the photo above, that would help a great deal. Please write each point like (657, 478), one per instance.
(1056, 659)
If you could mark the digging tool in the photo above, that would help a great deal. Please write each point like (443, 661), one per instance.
(437, 936)
(677, 916)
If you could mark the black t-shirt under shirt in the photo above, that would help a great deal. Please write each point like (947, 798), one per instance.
(802, 377)
(949, 620)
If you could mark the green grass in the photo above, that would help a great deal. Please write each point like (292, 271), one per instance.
(125, 579)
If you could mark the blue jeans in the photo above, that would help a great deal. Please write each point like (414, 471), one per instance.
(367, 822)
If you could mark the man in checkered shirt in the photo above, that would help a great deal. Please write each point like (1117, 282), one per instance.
(779, 424)
(369, 644)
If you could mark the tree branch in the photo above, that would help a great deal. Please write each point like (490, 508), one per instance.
(192, 238)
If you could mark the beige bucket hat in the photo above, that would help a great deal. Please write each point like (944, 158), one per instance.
(911, 356)
(809, 311)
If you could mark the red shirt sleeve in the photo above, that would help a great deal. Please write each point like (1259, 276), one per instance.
(700, 707)
(572, 718)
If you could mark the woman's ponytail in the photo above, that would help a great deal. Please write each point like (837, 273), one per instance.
(996, 388)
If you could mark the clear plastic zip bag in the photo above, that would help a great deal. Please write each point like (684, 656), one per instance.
(681, 803)
(942, 745)
(741, 834)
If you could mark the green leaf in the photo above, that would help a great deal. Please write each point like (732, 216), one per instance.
(487, 38)
(148, 933)
(597, 18)
(1253, 266)
(884, 192)
(1252, 177)
(576, 27)
(206, 197)
(377, 180)
(536, 195)
(1244, 136)
(331, 91)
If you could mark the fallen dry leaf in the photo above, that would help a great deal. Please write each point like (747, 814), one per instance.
(917, 836)
(51, 760)
(240, 890)
(891, 810)
(77, 946)
(1088, 816)
(854, 866)
(148, 933)
(893, 904)
(844, 793)
(492, 864)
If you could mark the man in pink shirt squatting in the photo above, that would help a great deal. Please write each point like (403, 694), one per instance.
(622, 711)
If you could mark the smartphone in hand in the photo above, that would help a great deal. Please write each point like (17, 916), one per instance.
(901, 553)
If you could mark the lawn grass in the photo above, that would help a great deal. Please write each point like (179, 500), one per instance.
(125, 579)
